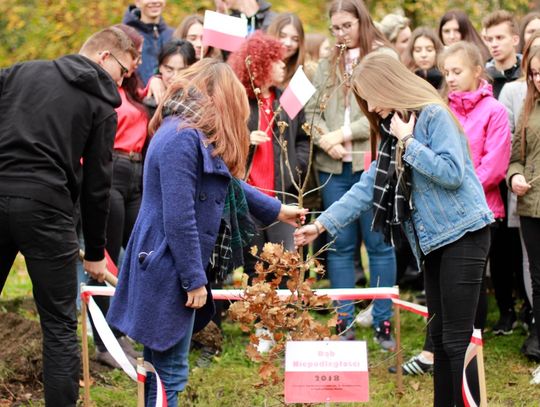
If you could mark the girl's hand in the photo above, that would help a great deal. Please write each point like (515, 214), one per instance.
(308, 233)
(292, 214)
(156, 88)
(257, 137)
(196, 298)
(329, 140)
(337, 152)
(399, 128)
(519, 185)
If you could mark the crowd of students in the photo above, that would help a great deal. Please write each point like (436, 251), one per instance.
(447, 117)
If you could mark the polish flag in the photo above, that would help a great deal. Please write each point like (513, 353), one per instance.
(223, 31)
(297, 94)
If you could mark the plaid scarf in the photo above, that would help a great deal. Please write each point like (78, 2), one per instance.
(236, 228)
(235, 232)
(391, 194)
(186, 106)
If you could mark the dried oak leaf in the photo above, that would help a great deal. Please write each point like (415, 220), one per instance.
(269, 373)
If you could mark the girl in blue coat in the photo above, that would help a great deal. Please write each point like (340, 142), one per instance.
(425, 183)
(192, 219)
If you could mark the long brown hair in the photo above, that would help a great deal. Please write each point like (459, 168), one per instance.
(419, 32)
(530, 99)
(523, 23)
(274, 29)
(223, 110)
(526, 52)
(182, 30)
(370, 37)
(466, 30)
(388, 83)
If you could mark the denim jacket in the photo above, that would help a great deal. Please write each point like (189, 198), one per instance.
(447, 197)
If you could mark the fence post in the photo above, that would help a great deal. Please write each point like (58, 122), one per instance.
(85, 356)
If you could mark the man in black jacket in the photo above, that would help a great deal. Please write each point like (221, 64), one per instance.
(57, 127)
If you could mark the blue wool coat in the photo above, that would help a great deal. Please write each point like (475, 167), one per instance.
(176, 229)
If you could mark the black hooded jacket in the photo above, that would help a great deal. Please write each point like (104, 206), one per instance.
(52, 114)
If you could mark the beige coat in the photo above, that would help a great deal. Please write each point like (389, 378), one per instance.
(330, 93)
(528, 204)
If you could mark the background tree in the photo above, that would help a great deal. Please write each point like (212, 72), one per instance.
(45, 29)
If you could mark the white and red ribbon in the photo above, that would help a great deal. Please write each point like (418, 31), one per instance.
(411, 307)
(112, 345)
(470, 354)
(378, 293)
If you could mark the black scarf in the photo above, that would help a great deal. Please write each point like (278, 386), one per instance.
(235, 233)
(391, 195)
(432, 75)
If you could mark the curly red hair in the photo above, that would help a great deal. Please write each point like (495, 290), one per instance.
(263, 51)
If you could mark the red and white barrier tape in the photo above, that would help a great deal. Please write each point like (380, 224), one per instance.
(378, 293)
(112, 345)
(161, 397)
(411, 307)
(470, 354)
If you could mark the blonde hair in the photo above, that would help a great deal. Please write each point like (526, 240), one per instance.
(391, 25)
(386, 82)
(223, 110)
(471, 56)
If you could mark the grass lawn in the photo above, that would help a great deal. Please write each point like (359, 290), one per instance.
(231, 379)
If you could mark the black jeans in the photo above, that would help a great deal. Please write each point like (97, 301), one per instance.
(506, 260)
(126, 193)
(46, 237)
(530, 227)
(453, 279)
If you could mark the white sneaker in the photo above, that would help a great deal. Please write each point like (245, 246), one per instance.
(364, 318)
(265, 344)
(536, 376)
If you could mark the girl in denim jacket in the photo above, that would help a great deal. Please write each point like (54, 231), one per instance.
(342, 141)
(425, 183)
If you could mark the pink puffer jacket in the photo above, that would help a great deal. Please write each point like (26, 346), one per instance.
(485, 121)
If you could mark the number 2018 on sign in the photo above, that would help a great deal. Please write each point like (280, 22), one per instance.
(327, 378)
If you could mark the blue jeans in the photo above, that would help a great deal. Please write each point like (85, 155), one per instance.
(340, 263)
(172, 366)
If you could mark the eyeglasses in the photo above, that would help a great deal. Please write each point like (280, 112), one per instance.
(344, 28)
(534, 76)
(123, 69)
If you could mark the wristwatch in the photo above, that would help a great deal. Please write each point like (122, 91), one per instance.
(402, 141)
